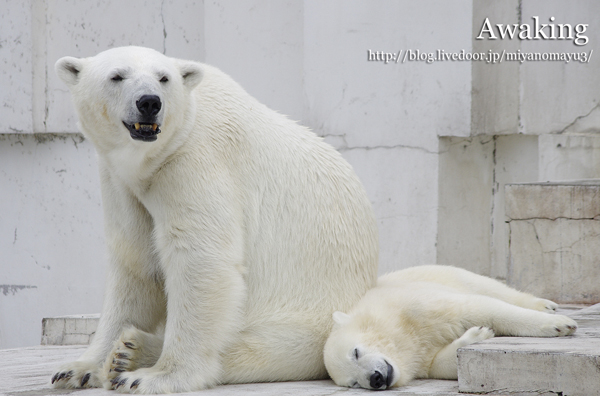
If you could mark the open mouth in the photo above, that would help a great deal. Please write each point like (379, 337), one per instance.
(143, 131)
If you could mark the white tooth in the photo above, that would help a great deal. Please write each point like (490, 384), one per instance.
(137, 126)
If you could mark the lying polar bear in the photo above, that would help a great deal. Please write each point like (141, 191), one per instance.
(237, 229)
(412, 323)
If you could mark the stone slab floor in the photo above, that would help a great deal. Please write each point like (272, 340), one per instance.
(27, 371)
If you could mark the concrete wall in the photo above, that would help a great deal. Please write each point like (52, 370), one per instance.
(432, 142)
(306, 59)
(530, 121)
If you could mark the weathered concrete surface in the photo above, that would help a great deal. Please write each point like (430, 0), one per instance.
(554, 240)
(519, 365)
(69, 330)
(27, 372)
(577, 199)
(500, 366)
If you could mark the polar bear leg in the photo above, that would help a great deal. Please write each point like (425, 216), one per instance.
(486, 286)
(121, 306)
(287, 349)
(444, 365)
(132, 297)
(510, 320)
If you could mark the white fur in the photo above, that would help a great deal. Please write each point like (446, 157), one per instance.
(237, 229)
(411, 325)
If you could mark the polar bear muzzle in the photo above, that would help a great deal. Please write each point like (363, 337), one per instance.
(377, 380)
(148, 106)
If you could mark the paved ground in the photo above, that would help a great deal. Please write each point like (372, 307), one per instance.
(27, 371)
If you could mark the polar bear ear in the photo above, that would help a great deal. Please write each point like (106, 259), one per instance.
(192, 74)
(341, 318)
(68, 69)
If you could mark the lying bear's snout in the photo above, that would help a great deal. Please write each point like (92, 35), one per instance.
(377, 380)
(382, 381)
(149, 105)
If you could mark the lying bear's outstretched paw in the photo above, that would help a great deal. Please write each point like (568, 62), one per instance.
(544, 305)
(475, 334)
(558, 326)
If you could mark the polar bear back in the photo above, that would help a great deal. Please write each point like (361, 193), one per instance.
(309, 225)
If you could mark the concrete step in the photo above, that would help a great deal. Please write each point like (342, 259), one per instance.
(69, 330)
(536, 366)
(554, 239)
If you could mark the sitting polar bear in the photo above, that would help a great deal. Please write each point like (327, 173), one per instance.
(412, 323)
(233, 232)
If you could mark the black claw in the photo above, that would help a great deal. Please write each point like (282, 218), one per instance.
(119, 370)
(54, 378)
(557, 329)
(129, 345)
(122, 382)
(115, 380)
(121, 356)
(135, 383)
(85, 379)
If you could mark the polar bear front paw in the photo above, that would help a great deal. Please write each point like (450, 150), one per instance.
(134, 349)
(153, 381)
(559, 326)
(475, 334)
(78, 374)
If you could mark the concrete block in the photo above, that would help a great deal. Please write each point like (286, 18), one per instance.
(554, 240)
(527, 365)
(472, 175)
(69, 330)
(553, 200)
(571, 157)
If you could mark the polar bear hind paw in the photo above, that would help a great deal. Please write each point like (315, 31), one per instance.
(77, 375)
(134, 349)
(559, 327)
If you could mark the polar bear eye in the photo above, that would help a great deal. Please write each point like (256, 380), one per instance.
(117, 77)
(164, 79)
(356, 354)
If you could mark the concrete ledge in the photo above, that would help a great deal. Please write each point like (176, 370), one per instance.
(69, 330)
(519, 365)
(577, 199)
(554, 240)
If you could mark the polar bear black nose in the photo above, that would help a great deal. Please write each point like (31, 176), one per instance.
(149, 105)
(376, 381)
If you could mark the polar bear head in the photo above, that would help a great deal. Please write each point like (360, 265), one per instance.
(130, 94)
(353, 354)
